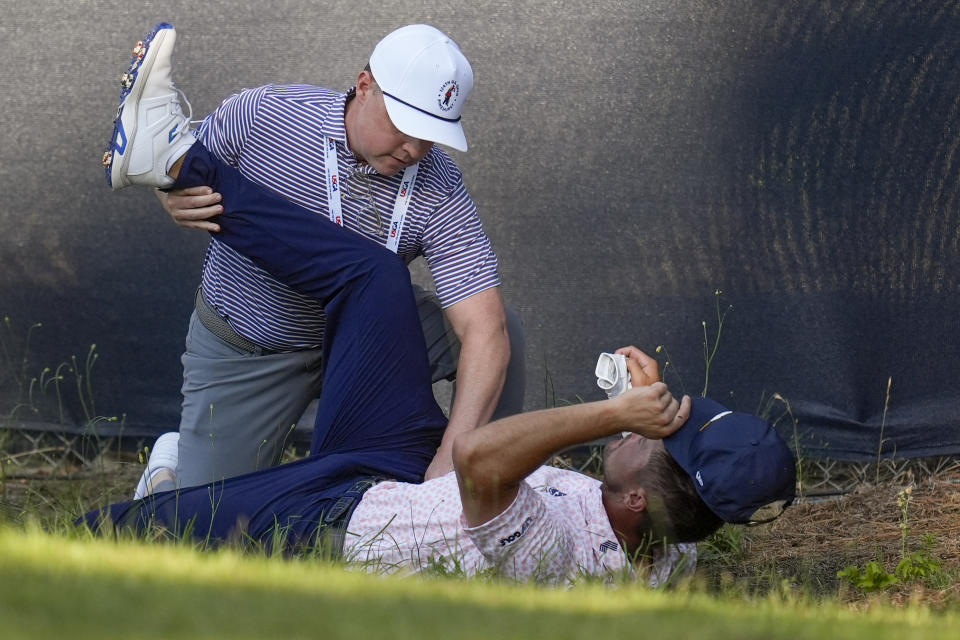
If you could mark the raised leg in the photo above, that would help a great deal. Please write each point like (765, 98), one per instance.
(376, 415)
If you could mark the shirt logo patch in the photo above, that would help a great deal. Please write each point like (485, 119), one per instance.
(554, 492)
(513, 537)
(608, 545)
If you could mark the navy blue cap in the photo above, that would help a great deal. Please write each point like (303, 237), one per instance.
(737, 461)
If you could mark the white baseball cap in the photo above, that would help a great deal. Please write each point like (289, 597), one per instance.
(425, 81)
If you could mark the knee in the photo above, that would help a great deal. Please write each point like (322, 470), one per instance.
(388, 273)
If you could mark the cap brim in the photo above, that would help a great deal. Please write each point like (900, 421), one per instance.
(424, 126)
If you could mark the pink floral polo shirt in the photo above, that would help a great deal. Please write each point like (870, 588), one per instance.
(556, 531)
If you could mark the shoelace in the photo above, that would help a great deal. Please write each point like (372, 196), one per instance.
(182, 100)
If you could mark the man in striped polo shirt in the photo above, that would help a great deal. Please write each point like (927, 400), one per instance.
(366, 159)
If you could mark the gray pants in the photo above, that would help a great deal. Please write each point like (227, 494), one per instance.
(240, 409)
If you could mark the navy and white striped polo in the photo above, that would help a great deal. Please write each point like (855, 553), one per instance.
(275, 136)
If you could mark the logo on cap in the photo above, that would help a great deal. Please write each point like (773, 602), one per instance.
(448, 95)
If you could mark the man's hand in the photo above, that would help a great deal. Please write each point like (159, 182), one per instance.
(192, 208)
(643, 369)
(652, 411)
(441, 465)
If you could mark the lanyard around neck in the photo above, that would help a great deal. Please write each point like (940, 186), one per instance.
(404, 194)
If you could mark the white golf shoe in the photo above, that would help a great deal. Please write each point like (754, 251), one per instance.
(161, 466)
(150, 131)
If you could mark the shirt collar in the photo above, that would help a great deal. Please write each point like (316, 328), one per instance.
(335, 124)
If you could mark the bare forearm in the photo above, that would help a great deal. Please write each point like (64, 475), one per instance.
(511, 448)
(480, 374)
(480, 325)
(492, 461)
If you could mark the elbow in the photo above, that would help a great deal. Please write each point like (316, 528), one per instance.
(465, 455)
(475, 465)
(478, 480)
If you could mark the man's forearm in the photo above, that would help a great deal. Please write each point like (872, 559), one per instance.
(492, 460)
(481, 327)
(481, 371)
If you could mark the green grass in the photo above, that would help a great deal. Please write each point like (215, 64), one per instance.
(67, 584)
(57, 587)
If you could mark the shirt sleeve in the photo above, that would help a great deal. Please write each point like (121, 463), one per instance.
(225, 131)
(458, 251)
(527, 541)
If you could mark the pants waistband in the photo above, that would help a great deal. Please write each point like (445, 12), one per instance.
(219, 327)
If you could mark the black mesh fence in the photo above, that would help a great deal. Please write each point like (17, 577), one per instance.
(767, 191)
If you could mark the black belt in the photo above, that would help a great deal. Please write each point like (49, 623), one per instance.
(219, 327)
(333, 529)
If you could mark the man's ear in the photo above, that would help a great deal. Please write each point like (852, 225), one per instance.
(636, 499)
(365, 85)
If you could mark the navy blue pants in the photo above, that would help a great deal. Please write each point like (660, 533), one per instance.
(377, 415)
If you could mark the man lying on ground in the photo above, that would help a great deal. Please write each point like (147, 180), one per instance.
(687, 466)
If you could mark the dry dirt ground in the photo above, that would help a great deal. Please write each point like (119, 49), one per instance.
(816, 538)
